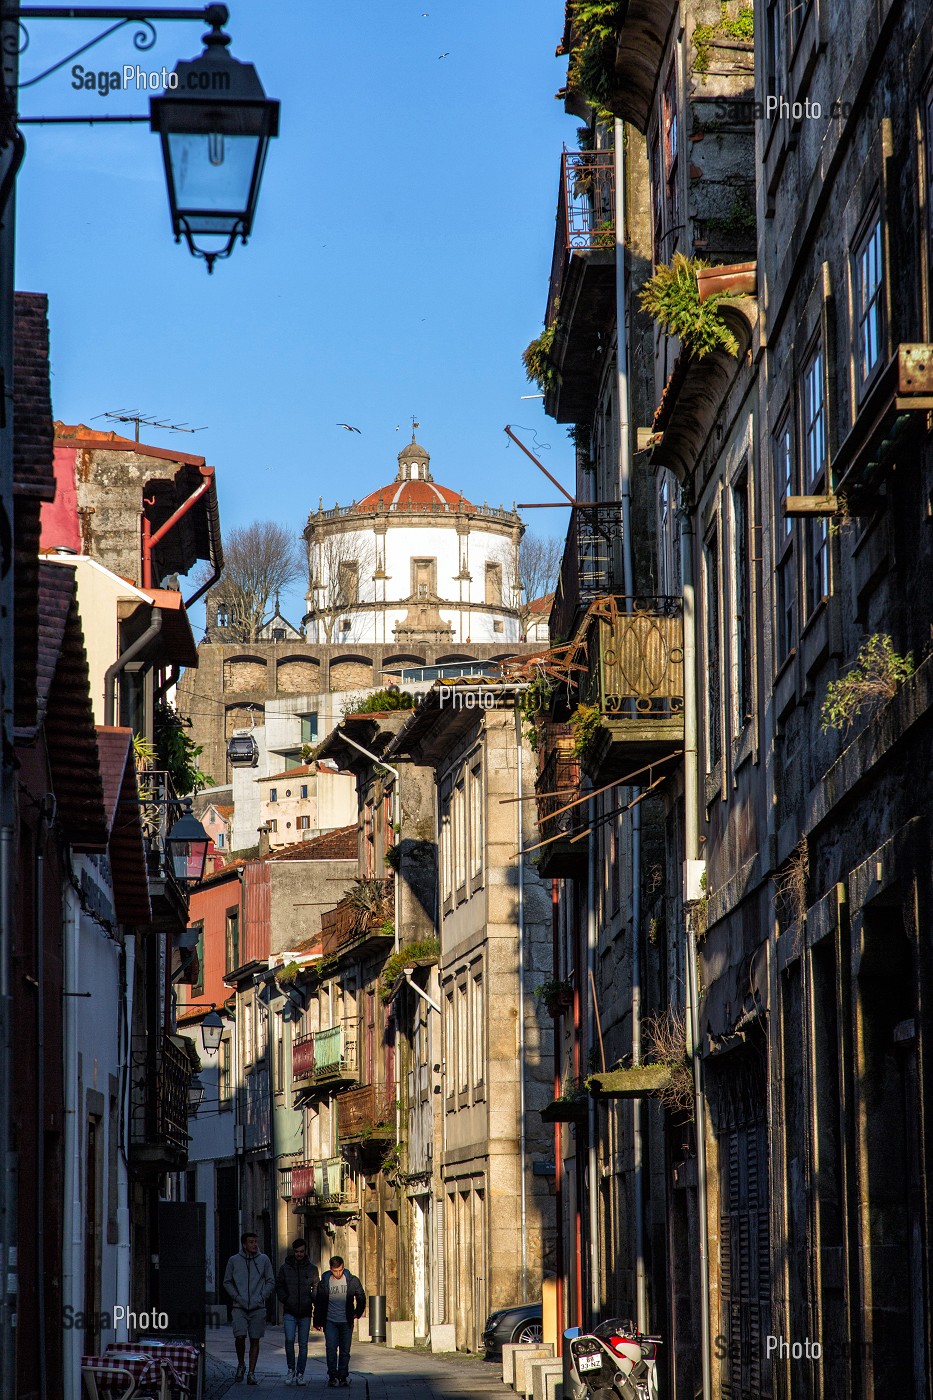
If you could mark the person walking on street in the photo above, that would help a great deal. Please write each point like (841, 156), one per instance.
(296, 1284)
(250, 1282)
(338, 1302)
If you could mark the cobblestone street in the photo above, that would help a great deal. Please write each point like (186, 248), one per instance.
(376, 1372)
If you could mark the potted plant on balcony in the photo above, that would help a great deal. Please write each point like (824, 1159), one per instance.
(584, 722)
(557, 995)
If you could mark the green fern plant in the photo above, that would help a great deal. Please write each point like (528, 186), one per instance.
(873, 678)
(672, 298)
(584, 723)
(536, 357)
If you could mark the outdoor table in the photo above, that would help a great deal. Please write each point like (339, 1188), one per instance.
(179, 1360)
(126, 1373)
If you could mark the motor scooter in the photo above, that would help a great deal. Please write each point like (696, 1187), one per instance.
(615, 1356)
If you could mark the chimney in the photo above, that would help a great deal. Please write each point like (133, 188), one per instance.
(265, 846)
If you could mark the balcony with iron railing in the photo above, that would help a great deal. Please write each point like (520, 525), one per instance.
(581, 292)
(558, 784)
(160, 1078)
(634, 680)
(324, 1187)
(587, 569)
(361, 922)
(160, 809)
(365, 1114)
(326, 1059)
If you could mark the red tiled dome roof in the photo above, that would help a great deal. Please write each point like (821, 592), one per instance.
(414, 495)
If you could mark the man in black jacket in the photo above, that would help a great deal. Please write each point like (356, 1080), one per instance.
(338, 1302)
(295, 1285)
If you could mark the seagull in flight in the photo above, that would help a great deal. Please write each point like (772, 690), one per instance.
(444, 55)
(349, 427)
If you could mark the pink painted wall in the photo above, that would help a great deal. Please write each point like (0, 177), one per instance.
(60, 522)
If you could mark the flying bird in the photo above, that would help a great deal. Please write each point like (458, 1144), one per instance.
(349, 427)
(444, 55)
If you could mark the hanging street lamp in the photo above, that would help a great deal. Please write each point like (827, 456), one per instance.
(212, 1031)
(186, 846)
(215, 123)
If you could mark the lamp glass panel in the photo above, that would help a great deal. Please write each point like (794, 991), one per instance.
(213, 177)
(188, 859)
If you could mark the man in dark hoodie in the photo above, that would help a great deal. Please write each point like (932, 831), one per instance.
(338, 1302)
(295, 1285)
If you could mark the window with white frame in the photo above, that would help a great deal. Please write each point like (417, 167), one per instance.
(477, 1028)
(813, 436)
(785, 579)
(447, 878)
(741, 602)
(463, 1047)
(711, 587)
(459, 837)
(868, 281)
(248, 1031)
(476, 823)
(450, 1049)
(671, 152)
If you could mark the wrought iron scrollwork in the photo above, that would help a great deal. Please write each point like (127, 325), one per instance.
(143, 40)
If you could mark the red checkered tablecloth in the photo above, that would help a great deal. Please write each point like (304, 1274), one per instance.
(180, 1356)
(110, 1371)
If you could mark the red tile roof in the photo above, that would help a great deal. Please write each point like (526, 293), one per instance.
(303, 770)
(124, 816)
(542, 604)
(33, 483)
(342, 844)
(64, 703)
(80, 435)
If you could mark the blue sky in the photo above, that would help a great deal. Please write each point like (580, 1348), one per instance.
(398, 266)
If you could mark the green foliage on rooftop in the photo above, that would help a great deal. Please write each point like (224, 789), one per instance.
(421, 950)
(379, 702)
(536, 357)
(672, 298)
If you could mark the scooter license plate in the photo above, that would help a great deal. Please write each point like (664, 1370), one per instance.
(592, 1362)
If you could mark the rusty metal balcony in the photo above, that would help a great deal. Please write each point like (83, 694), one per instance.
(350, 927)
(635, 679)
(557, 785)
(160, 1075)
(324, 1187)
(326, 1058)
(365, 1114)
(587, 567)
(581, 293)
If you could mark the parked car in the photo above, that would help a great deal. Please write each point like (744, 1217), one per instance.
(520, 1323)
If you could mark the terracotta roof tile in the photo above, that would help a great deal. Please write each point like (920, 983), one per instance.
(65, 706)
(342, 844)
(124, 815)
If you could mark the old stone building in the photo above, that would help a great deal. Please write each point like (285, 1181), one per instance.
(756, 1019)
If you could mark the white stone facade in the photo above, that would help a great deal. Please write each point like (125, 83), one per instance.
(413, 562)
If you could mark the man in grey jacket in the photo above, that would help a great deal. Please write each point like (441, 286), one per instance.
(250, 1282)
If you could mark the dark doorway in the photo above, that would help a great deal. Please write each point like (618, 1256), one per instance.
(226, 1224)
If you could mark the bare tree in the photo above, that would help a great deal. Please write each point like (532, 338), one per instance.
(539, 559)
(260, 561)
(342, 564)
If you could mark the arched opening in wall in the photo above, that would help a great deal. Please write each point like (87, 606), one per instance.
(245, 674)
(298, 675)
(395, 663)
(350, 673)
(454, 659)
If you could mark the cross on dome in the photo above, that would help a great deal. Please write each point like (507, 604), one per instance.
(414, 461)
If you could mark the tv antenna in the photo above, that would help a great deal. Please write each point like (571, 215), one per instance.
(134, 416)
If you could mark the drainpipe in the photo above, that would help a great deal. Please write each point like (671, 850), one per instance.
(407, 974)
(558, 1154)
(628, 573)
(40, 1114)
(128, 972)
(592, 1163)
(691, 852)
(132, 651)
(73, 1214)
(149, 541)
(522, 1142)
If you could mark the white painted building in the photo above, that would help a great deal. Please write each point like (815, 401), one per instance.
(413, 562)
